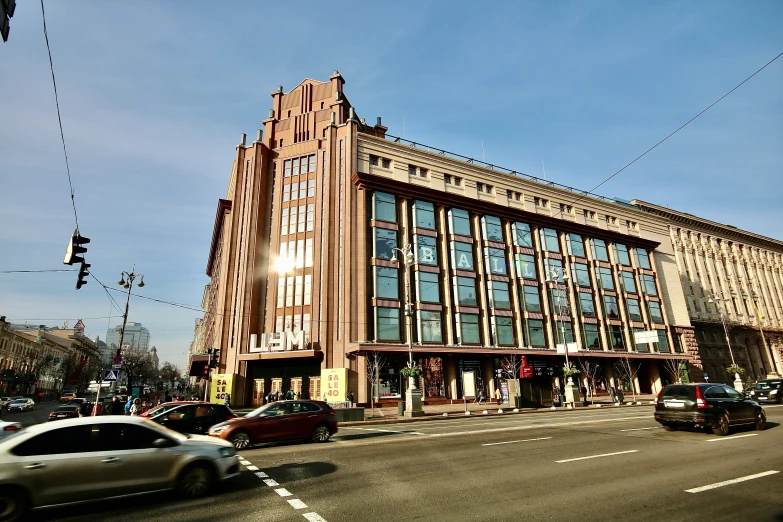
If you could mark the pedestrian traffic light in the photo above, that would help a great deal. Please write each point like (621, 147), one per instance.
(75, 248)
(83, 272)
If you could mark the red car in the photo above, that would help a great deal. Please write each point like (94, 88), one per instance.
(276, 421)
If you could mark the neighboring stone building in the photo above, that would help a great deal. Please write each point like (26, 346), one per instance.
(734, 277)
(302, 280)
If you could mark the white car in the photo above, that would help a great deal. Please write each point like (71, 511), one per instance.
(8, 428)
(21, 405)
(112, 456)
(4, 401)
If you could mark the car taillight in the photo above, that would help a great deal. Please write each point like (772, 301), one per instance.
(51, 414)
(658, 397)
(231, 416)
(700, 402)
(11, 427)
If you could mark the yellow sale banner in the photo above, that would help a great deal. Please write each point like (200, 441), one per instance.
(333, 384)
(220, 385)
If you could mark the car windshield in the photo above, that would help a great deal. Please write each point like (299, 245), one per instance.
(768, 385)
(162, 409)
(20, 401)
(267, 409)
(66, 408)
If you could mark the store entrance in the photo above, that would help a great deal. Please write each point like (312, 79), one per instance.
(258, 392)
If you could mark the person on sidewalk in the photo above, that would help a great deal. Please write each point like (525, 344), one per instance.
(498, 396)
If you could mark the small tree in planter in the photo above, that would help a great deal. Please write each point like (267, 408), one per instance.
(590, 371)
(569, 371)
(375, 363)
(737, 371)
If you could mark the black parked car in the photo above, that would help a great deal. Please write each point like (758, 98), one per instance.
(713, 406)
(194, 418)
(768, 390)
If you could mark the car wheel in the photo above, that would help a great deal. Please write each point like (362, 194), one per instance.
(669, 427)
(240, 440)
(761, 419)
(195, 481)
(14, 504)
(722, 428)
(321, 434)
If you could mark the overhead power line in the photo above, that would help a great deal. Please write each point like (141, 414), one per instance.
(590, 192)
(37, 271)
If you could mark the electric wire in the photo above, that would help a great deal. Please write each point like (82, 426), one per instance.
(590, 192)
(37, 271)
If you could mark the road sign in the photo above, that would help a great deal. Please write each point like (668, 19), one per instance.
(117, 359)
(110, 375)
(116, 366)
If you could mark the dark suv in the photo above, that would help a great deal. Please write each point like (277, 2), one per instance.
(768, 390)
(714, 406)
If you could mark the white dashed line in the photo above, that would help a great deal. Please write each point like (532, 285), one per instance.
(270, 482)
(384, 431)
(514, 441)
(642, 429)
(261, 474)
(535, 426)
(729, 482)
(252, 468)
(596, 456)
(297, 504)
(313, 517)
(283, 492)
(732, 438)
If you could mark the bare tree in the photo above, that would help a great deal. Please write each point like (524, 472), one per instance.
(169, 372)
(590, 371)
(674, 367)
(625, 368)
(375, 363)
(510, 369)
(136, 365)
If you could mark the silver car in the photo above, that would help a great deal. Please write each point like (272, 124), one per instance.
(21, 405)
(112, 456)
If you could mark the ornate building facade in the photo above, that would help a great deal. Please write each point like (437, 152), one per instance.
(733, 284)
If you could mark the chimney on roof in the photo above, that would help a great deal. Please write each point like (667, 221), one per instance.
(243, 139)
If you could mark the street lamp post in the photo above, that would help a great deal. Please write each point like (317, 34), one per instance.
(560, 276)
(413, 396)
(716, 299)
(126, 281)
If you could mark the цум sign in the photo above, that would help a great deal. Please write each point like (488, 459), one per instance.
(278, 342)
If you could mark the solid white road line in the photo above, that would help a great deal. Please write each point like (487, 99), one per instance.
(283, 492)
(536, 426)
(384, 431)
(514, 441)
(732, 437)
(642, 429)
(596, 456)
(297, 504)
(271, 482)
(729, 482)
(313, 517)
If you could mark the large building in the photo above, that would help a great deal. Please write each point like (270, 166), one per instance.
(733, 284)
(303, 276)
(136, 336)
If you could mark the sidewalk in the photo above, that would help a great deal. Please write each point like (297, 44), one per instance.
(443, 411)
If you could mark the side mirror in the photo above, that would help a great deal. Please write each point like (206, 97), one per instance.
(162, 443)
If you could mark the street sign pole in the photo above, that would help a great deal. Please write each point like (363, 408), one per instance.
(97, 397)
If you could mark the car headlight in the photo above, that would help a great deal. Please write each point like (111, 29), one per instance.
(227, 452)
(217, 430)
(773, 392)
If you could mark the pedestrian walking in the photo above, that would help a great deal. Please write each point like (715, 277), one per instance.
(128, 405)
(135, 408)
(498, 396)
(350, 399)
(116, 406)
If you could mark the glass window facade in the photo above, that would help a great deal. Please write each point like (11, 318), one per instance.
(503, 331)
(466, 291)
(430, 327)
(615, 336)
(496, 260)
(385, 241)
(604, 277)
(462, 256)
(598, 247)
(386, 283)
(561, 327)
(590, 337)
(634, 311)
(385, 208)
(628, 281)
(468, 329)
(387, 324)
(493, 229)
(424, 214)
(642, 259)
(648, 284)
(426, 250)
(586, 304)
(526, 266)
(499, 298)
(621, 255)
(576, 246)
(580, 274)
(663, 343)
(532, 299)
(611, 310)
(459, 222)
(655, 311)
(549, 240)
(535, 333)
(428, 287)
(522, 235)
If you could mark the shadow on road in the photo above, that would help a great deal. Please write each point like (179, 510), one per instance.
(300, 471)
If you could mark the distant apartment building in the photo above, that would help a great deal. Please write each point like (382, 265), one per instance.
(733, 285)
(303, 276)
(135, 335)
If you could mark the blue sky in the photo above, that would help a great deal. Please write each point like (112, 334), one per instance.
(154, 96)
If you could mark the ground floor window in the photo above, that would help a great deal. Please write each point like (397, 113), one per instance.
(433, 377)
(389, 381)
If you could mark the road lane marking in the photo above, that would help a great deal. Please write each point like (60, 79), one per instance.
(313, 517)
(252, 468)
(384, 431)
(261, 474)
(271, 482)
(732, 437)
(297, 504)
(283, 492)
(729, 482)
(642, 429)
(514, 441)
(596, 456)
(535, 426)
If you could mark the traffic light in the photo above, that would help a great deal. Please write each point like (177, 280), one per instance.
(215, 360)
(75, 247)
(206, 370)
(7, 8)
(83, 272)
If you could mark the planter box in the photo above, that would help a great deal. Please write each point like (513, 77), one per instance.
(350, 414)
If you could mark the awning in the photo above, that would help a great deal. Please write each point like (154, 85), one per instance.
(197, 363)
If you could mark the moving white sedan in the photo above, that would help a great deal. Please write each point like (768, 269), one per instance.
(112, 456)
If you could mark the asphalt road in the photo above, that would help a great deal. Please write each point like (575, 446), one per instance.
(28, 418)
(608, 464)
